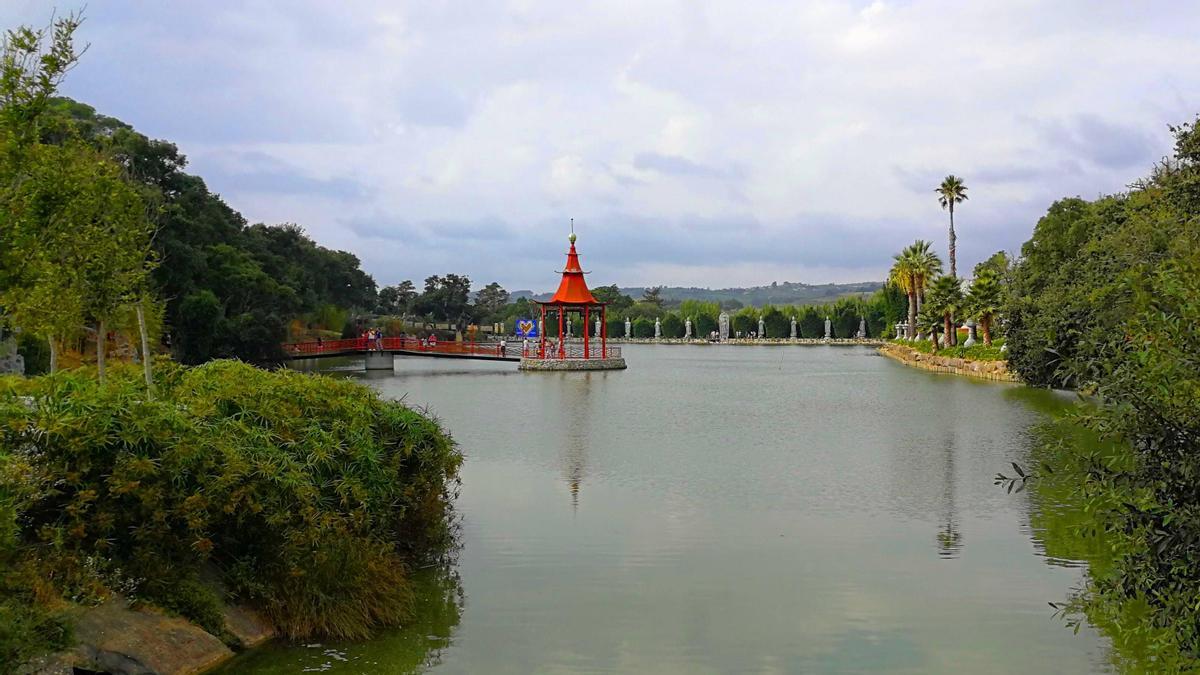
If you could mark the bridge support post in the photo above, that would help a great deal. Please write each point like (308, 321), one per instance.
(380, 361)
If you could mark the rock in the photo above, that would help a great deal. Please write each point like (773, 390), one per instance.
(115, 639)
(248, 626)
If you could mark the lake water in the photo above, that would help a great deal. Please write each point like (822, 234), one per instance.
(722, 509)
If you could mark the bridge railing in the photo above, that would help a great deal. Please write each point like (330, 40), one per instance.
(570, 350)
(574, 350)
(327, 346)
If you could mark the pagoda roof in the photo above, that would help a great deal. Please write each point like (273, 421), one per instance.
(572, 290)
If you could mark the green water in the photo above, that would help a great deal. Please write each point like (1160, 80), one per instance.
(729, 509)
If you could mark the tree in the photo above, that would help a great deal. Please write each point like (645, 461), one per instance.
(945, 298)
(926, 266)
(653, 296)
(491, 299)
(445, 298)
(672, 326)
(930, 320)
(396, 300)
(984, 301)
(31, 70)
(951, 192)
(903, 277)
(617, 301)
(998, 263)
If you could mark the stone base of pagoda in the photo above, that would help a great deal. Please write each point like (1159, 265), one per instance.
(572, 364)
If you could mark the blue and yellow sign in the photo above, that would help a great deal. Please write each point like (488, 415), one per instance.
(527, 328)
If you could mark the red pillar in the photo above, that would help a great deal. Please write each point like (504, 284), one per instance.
(560, 332)
(587, 329)
(603, 331)
(542, 337)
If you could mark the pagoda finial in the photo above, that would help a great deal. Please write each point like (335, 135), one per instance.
(571, 237)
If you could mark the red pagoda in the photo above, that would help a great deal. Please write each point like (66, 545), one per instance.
(573, 297)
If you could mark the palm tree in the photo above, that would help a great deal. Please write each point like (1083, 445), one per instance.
(902, 276)
(946, 298)
(930, 320)
(984, 301)
(926, 266)
(951, 192)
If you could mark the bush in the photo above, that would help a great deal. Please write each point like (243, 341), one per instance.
(643, 328)
(976, 352)
(309, 495)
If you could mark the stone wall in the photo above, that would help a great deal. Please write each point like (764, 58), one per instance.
(572, 364)
(997, 371)
(11, 363)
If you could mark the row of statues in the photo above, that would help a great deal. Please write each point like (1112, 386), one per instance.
(722, 328)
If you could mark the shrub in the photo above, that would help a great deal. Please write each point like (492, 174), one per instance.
(308, 494)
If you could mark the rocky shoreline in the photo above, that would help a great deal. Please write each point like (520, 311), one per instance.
(118, 639)
(996, 371)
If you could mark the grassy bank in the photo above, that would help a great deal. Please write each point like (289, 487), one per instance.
(976, 352)
(303, 496)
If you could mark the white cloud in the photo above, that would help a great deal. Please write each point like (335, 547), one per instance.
(528, 113)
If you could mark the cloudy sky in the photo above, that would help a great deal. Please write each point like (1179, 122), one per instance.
(695, 143)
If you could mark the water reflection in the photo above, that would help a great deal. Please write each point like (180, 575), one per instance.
(576, 409)
(949, 538)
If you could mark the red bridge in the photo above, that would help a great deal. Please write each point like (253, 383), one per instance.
(411, 346)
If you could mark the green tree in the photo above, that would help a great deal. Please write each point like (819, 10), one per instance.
(491, 299)
(672, 326)
(653, 295)
(984, 301)
(643, 328)
(617, 301)
(946, 298)
(903, 276)
(776, 323)
(952, 191)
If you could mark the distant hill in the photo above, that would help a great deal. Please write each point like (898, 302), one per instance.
(786, 293)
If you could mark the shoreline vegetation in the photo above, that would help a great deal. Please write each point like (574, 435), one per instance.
(302, 498)
(947, 361)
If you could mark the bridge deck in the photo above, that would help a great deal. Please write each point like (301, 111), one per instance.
(482, 351)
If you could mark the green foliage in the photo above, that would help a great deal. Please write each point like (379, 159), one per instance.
(617, 301)
(1107, 298)
(643, 327)
(309, 495)
(36, 352)
(491, 299)
(976, 352)
(672, 326)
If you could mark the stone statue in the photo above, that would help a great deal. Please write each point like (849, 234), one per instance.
(657, 329)
(687, 329)
(793, 328)
(628, 328)
(828, 328)
(597, 328)
(723, 326)
(762, 330)
(862, 328)
(569, 333)
(971, 325)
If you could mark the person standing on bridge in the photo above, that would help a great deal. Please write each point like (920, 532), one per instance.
(503, 346)
(378, 340)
